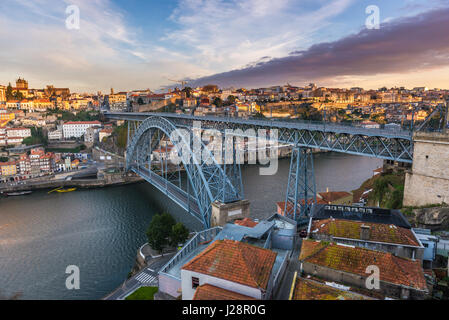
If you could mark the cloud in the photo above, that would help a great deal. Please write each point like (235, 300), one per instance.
(403, 45)
(218, 35)
(41, 48)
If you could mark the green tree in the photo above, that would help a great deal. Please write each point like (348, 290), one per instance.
(259, 115)
(380, 188)
(179, 234)
(37, 137)
(231, 100)
(188, 91)
(160, 230)
(122, 135)
(9, 92)
(396, 198)
(18, 95)
(218, 102)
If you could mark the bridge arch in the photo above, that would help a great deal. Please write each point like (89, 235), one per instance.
(207, 178)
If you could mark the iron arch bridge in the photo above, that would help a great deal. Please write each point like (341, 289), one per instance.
(206, 180)
(215, 182)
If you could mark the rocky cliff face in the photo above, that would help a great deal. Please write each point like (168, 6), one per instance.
(436, 218)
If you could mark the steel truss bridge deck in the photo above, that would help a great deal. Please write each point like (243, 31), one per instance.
(179, 196)
(396, 145)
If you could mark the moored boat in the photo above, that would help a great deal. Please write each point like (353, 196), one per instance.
(17, 194)
(66, 190)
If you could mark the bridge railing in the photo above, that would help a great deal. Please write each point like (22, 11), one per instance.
(198, 239)
(341, 127)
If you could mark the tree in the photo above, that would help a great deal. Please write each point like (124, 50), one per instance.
(9, 92)
(18, 95)
(259, 115)
(179, 234)
(218, 102)
(380, 188)
(37, 137)
(231, 99)
(188, 92)
(160, 230)
(122, 135)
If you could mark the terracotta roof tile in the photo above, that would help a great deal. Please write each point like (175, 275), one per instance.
(210, 292)
(247, 222)
(379, 232)
(306, 289)
(235, 261)
(355, 260)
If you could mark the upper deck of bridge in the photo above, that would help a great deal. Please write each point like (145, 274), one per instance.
(279, 124)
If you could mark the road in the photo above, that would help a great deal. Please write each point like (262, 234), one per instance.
(283, 292)
(147, 277)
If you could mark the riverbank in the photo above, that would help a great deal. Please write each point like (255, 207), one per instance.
(82, 184)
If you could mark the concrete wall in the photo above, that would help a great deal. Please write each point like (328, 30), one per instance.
(428, 183)
(169, 285)
(188, 292)
(224, 213)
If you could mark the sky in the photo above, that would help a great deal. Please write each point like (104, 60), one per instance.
(139, 44)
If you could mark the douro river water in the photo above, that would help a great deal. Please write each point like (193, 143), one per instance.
(101, 230)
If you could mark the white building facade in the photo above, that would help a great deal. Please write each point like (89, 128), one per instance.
(77, 129)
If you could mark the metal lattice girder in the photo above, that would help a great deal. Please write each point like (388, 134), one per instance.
(301, 187)
(396, 145)
(206, 178)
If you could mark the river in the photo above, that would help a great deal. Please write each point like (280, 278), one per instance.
(100, 230)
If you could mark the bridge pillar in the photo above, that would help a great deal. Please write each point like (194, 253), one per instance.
(428, 182)
(223, 213)
(301, 188)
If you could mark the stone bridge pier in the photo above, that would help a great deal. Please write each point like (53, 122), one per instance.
(428, 182)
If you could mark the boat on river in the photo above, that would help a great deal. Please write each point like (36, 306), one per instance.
(17, 194)
(66, 190)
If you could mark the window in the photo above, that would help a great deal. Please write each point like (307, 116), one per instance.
(195, 282)
(426, 245)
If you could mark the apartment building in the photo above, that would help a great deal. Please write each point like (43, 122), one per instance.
(76, 129)
(8, 168)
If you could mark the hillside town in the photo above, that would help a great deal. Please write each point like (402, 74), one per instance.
(50, 130)
(53, 132)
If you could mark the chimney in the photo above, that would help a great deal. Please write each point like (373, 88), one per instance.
(365, 232)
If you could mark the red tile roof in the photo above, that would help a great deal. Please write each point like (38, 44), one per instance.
(210, 292)
(247, 222)
(379, 232)
(306, 289)
(355, 260)
(235, 261)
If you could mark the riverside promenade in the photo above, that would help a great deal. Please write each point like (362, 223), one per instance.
(81, 183)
